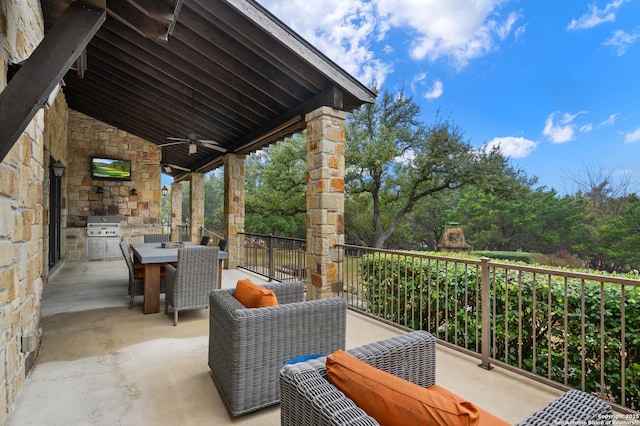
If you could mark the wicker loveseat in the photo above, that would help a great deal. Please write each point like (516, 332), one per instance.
(247, 347)
(308, 399)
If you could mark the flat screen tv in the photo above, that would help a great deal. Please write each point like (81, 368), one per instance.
(110, 169)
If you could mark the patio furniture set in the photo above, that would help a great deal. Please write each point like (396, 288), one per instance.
(185, 273)
(257, 338)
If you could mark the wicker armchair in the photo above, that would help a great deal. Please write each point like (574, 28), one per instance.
(247, 347)
(188, 286)
(309, 399)
(156, 238)
(136, 284)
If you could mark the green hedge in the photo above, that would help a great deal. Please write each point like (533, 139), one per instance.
(441, 297)
(512, 256)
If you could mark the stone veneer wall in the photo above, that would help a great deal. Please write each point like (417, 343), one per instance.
(139, 214)
(325, 200)
(21, 193)
(234, 208)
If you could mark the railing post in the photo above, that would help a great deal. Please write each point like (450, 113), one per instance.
(272, 274)
(486, 317)
(300, 268)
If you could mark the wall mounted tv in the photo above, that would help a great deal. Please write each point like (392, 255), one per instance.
(110, 169)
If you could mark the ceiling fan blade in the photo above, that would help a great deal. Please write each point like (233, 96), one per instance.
(173, 166)
(212, 145)
(173, 143)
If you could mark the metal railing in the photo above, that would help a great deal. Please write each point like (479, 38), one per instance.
(566, 329)
(214, 237)
(277, 258)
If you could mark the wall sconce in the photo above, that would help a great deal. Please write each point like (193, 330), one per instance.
(134, 191)
(99, 190)
(58, 169)
(165, 191)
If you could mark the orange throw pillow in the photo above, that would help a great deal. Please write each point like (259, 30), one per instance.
(486, 418)
(392, 400)
(254, 296)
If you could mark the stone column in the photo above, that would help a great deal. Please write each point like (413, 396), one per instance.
(197, 206)
(176, 210)
(325, 199)
(234, 198)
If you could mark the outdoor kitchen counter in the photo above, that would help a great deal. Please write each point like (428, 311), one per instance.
(153, 256)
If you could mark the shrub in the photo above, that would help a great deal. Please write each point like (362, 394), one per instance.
(532, 315)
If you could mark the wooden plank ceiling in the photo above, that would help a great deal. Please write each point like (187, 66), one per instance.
(223, 71)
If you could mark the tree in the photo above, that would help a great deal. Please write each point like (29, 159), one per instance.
(605, 195)
(275, 184)
(214, 203)
(394, 160)
(621, 237)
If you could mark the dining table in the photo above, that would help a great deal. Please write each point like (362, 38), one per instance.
(153, 256)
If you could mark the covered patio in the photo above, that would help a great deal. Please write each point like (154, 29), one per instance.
(101, 363)
(179, 87)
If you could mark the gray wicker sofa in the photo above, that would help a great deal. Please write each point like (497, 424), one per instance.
(308, 399)
(247, 347)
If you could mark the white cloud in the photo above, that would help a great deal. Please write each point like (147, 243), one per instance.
(622, 40)
(511, 146)
(610, 121)
(436, 90)
(596, 16)
(407, 157)
(419, 83)
(418, 80)
(460, 30)
(343, 30)
(586, 128)
(632, 137)
(562, 132)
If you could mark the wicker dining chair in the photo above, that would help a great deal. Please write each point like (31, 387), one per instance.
(188, 285)
(136, 282)
(156, 238)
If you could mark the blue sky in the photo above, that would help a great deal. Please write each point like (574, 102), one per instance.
(555, 83)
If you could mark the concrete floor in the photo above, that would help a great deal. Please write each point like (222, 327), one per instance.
(103, 364)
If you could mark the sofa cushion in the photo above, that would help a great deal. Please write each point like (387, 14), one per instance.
(252, 295)
(388, 398)
(486, 418)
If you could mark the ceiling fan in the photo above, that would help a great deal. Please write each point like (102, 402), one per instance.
(168, 168)
(192, 139)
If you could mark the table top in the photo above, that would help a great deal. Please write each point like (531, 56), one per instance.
(155, 253)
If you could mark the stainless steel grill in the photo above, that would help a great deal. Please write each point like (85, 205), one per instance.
(104, 226)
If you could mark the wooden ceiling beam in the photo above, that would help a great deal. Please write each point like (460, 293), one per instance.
(227, 20)
(86, 103)
(181, 102)
(29, 89)
(160, 112)
(260, 17)
(104, 93)
(202, 35)
(212, 67)
(226, 100)
(133, 17)
(154, 9)
(290, 122)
